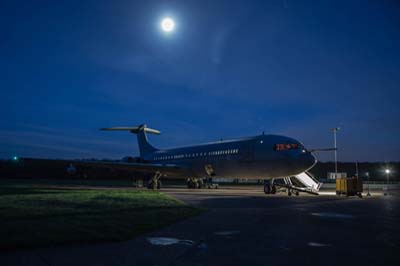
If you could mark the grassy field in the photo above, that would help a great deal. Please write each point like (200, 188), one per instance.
(33, 215)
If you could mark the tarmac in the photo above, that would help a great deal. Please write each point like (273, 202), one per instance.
(243, 226)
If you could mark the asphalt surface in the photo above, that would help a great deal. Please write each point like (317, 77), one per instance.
(245, 227)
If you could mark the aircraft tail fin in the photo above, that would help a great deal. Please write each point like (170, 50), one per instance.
(144, 146)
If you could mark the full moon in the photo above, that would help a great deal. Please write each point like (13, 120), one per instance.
(167, 24)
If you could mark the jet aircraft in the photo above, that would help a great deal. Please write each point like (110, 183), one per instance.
(282, 162)
(268, 157)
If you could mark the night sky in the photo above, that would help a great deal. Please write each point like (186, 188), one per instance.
(230, 69)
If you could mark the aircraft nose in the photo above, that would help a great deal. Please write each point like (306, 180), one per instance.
(309, 160)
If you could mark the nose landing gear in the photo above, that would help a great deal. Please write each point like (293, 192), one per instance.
(269, 187)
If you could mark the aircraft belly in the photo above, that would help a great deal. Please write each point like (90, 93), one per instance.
(256, 169)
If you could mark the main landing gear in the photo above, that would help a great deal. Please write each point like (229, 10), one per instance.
(195, 183)
(155, 182)
(201, 183)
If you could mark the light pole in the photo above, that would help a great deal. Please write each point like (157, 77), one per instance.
(387, 171)
(335, 130)
(367, 174)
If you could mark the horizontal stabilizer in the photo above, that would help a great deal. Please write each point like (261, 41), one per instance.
(133, 129)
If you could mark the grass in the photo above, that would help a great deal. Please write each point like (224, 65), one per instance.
(35, 216)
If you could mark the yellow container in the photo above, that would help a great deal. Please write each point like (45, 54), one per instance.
(349, 186)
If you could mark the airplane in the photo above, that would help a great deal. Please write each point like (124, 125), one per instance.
(282, 162)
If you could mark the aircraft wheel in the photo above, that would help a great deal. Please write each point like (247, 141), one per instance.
(152, 185)
(296, 193)
(289, 193)
(191, 184)
(200, 183)
(267, 189)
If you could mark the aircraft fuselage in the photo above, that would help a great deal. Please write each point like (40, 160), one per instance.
(259, 157)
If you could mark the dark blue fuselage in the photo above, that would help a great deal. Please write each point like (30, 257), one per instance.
(259, 157)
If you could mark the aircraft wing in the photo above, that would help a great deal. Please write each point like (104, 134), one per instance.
(165, 169)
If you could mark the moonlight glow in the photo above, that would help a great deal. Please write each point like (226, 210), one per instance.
(167, 24)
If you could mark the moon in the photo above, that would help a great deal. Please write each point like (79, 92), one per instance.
(167, 24)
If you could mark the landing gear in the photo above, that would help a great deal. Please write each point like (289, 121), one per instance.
(201, 183)
(269, 187)
(155, 182)
(210, 184)
(195, 183)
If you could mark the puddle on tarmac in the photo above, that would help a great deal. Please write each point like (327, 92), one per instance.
(166, 241)
(226, 233)
(315, 244)
(332, 215)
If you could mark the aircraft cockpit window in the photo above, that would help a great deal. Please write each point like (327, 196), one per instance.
(286, 146)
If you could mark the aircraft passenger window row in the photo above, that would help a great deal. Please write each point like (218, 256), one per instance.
(197, 154)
